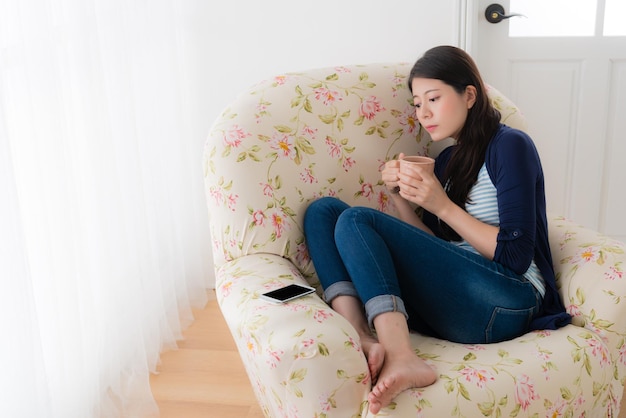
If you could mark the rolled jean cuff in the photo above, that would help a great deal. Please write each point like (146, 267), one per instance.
(383, 304)
(344, 288)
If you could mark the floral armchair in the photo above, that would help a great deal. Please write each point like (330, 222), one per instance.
(328, 132)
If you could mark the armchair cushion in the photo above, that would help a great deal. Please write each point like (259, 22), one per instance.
(299, 136)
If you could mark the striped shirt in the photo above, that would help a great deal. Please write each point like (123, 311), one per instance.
(483, 205)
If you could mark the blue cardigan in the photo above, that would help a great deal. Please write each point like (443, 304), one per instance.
(515, 170)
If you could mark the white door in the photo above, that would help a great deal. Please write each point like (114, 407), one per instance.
(564, 65)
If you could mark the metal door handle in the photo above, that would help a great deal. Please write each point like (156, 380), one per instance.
(494, 13)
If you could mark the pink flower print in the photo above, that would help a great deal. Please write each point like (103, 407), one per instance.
(302, 254)
(216, 194)
(307, 349)
(477, 377)
(279, 224)
(396, 80)
(525, 392)
(579, 402)
(268, 190)
(622, 354)
(342, 69)
(231, 201)
(321, 315)
(234, 135)
(280, 80)
(348, 163)
(226, 288)
(271, 285)
(545, 357)
(258, 217)
(574, 310)
(409, 121)
(293, 412)
(273, 357)
(475, 347)
(543, 333)
(307, 176)
(327, 96)
(297, 307)
(542, 355)
(325, 403)
(283, 144)
(334, 149)
(614, 273)
(557, 409)
(309, 132)
(599, 350)
(370, 107)
(586, 255)
(567, 237)
(367, 190)
(418, 403)
(217, 245)
(227, 256)
(352, 343)
(307, 343)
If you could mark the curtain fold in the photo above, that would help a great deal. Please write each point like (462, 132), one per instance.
(103, 236)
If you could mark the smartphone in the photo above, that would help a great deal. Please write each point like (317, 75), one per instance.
(287, 293)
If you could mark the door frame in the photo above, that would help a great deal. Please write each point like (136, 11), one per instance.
(469, 15)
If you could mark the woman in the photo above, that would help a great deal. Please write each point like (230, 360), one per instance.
(475, 269)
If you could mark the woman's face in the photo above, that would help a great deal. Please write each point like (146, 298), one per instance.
(439, 108)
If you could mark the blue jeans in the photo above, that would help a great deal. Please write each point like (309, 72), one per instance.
(391, 266)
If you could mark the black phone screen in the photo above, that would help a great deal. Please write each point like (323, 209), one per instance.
(288, 292)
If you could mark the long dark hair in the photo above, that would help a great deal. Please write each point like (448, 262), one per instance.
(456, 68)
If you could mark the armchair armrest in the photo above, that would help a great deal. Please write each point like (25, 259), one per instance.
(300, 356)
(590, 272)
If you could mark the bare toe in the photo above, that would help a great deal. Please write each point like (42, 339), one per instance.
(375, 354)
(375, 360)
(397, 376)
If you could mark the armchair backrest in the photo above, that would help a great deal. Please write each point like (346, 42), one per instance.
(300, 136)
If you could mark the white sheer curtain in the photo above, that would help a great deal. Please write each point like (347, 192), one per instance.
(103, 236)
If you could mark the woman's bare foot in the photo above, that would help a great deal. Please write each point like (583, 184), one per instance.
(375, 354)
(397, 375)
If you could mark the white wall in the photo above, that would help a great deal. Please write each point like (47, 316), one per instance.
(238, 43)
(244, 41)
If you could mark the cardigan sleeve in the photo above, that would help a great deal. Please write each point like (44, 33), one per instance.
(515, 169)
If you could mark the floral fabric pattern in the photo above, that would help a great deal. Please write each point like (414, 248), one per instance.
(328, 132)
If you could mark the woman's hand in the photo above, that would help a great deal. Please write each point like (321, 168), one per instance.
(420, 186)
(390, 174)
(406, 212)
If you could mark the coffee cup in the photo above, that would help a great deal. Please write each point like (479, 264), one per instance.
(416, 160)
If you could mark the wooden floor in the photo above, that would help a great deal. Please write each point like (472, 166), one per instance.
(205, 377)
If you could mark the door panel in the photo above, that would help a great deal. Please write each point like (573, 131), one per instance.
(615, 157)
(572, 91)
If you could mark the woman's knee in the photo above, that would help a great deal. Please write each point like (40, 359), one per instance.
(323, 210)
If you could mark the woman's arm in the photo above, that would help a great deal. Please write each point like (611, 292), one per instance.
(515, 169)
(425, 190)
(481, 236)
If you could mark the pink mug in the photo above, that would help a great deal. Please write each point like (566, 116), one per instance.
(412, 160)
